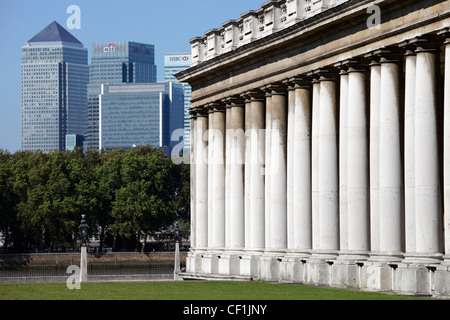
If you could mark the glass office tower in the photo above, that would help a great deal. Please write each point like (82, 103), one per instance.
(174, 63)
(54, 77)
(134, 115)
(115, 63)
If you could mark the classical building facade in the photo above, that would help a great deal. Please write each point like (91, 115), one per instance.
(320, 146)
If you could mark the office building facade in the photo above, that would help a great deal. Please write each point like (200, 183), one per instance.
(133, 115)
(54, 77)
(115, 63)
(173, 64)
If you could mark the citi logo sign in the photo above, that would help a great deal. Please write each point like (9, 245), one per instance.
(110, 48)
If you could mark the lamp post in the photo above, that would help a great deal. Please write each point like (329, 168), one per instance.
(176, 272)
(83, 241)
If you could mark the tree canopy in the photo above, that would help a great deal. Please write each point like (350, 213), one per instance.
(125, 194)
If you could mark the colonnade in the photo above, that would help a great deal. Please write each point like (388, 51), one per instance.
(347, 164)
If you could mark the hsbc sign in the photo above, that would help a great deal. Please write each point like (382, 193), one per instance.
(177, 60)
(185, 58)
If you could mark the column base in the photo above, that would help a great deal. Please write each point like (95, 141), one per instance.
(324, 254)
(353, 256)
(346, 274)
(378, 276)
(442, 279)
(423, 258)
(229, 263)
(249, 263)
(386, 257)
(414, 279)
(210, 263)
(270, 265)
(292, 267)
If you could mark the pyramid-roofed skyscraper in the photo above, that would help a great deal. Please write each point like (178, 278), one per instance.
(54, 75)
(54, 32)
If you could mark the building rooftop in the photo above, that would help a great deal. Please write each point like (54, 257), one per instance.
(54, 32)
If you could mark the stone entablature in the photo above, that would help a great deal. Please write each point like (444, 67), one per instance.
(274, 15)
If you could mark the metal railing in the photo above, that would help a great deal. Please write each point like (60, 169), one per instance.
(107, 268)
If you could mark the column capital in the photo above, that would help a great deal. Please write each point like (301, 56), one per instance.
(266, 89)
(201, 111)
(389, 54)
(324, 74)
(373, 59)
(255, 95)
(423, 44)
(352, 65)
(276, 88)
(410, 49)
(216, 106)
(245, 96)
(446, 34)
(298, 82)
(234, 101)
(192, 113)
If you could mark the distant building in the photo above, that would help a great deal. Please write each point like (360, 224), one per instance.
(74, 141)
(115, 63)
(174, 63)
(54, 77)
(134, 115)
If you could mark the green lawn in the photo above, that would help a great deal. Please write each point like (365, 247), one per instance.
(184, 291)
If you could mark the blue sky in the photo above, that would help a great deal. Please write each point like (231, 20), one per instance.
(168, 24)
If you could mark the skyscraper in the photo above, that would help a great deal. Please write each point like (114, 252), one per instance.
(54, 77)
(174, 63)
(115, 63)
(140, 114)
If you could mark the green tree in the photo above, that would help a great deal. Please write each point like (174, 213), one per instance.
(7, 211)
(146, 201)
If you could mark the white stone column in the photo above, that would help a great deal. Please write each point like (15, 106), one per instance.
(290, 163)
(390, 162)
(278, 180)
(326, 173)
(193, 236)
(299, 212)
(343, 159)
(446, 34)
(301, 217)
(257, 180)
(410, 154)
(268, 162)
(201, 180)
(254, 183)
(228, 137)
(357, 157)
(210, 172)
(247, 189)
(315, 203)
(236, 162)
(218, 179)
(429, 245)
(375, 85)
(229, 262)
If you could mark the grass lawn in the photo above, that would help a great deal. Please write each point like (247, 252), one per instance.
(184, 291)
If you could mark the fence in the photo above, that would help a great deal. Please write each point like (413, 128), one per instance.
(20, 268)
